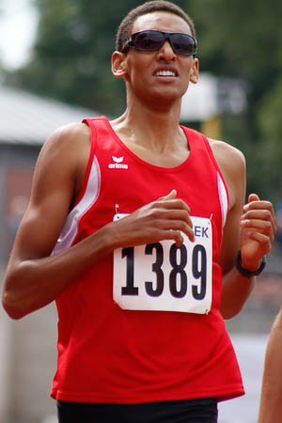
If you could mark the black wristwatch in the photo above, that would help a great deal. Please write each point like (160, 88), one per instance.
(245, 272)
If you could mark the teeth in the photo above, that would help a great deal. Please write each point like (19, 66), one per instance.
(165, 73)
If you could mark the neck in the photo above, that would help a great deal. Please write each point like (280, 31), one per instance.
(154, 127)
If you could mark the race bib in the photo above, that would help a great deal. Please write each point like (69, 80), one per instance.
(163, 276)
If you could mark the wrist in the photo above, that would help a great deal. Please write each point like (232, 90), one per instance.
(250, 265)
(249, 271)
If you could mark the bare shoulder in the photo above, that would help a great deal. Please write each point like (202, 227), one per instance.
(73, 135)
(63, 160)
(226, 153)
(232, 164)
(67, 148)
(73, 129)
(229, 159)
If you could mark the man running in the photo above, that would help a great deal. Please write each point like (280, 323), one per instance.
(133, 227)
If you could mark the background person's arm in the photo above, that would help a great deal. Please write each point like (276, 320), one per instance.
(271, 393)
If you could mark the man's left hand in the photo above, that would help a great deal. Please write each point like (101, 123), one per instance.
(258, 231)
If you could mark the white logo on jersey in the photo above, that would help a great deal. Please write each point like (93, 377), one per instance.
(117, 159)
(118, 163)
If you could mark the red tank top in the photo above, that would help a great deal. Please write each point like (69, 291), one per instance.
(142, 345)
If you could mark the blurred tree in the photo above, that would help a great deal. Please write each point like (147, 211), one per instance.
(71, 57)
(244, 40)
(72, 53)
(269, 120)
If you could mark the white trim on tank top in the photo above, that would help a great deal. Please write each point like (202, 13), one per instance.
(91, 195)
(88, 199)
(223, 198)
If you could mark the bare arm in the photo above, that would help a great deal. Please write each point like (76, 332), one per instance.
(29, 282)
(34, 278)
(271, 394)
(251, 232)
(256, 228)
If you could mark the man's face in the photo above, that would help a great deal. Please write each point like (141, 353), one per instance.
(159, 77)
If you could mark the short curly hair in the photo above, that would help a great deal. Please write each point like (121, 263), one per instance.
(124, 30)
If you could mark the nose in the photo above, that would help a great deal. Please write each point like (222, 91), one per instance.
(166, 52)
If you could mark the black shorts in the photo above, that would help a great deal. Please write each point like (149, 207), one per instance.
(198, 410)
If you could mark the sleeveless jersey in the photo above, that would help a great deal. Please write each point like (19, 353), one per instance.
(143, 324)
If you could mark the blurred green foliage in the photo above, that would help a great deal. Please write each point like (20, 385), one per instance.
(243, 39)
(237, 39)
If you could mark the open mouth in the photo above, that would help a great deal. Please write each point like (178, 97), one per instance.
(165, 73)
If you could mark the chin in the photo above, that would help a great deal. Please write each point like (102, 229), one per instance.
(165, 100)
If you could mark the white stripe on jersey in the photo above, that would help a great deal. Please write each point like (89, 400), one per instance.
(223, 197)
(90, 196)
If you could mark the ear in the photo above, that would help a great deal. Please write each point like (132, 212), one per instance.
(118, 64)
(194, 71)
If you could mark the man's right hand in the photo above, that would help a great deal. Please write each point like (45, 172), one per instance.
(162, 219)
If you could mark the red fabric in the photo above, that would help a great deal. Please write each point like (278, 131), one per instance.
(106, 354)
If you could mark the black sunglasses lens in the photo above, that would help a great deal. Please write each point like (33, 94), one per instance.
(148, 40)
(183, 44)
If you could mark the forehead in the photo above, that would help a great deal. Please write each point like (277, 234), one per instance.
(161, 21)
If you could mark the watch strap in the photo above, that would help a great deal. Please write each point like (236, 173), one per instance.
(245, 272)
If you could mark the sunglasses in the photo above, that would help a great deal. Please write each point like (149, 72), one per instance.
(151, 40)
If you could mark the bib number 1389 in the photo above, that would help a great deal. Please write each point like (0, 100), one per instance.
(164, 276)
